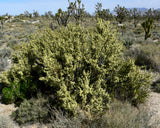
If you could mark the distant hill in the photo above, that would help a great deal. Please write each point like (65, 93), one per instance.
(139, 9)
(158, 9)
(143, 10)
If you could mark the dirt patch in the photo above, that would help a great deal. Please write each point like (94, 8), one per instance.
(153, 107)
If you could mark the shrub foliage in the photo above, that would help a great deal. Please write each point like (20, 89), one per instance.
(32, 110)
(80, 68)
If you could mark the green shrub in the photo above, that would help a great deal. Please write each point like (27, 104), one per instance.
(128, 42)
(33, 110)
(80, 68)
(138, 30)
(17, 92)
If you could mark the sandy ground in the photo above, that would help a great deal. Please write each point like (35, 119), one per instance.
(153, 107)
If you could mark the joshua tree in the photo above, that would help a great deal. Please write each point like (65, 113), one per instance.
(136, 16)
(103, 14)
(149, 14)
(147, 26)
(49, 14)
(62, 17)
(74, 9)
(122, 13)
(35, 13)
(27, 14)
(156, 14)
(98, 9)
(2, 19)
(78, 11)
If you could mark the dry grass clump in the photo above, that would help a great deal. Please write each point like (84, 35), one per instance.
(120, 115)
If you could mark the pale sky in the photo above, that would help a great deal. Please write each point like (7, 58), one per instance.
(14, 7)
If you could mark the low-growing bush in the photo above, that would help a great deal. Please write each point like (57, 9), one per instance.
(146, 55)
(123, 115)
(120, 115)
(6, 52)
(17, 92)
(156, 86)
(128, 42)
(80, 68)
(138, 30)
(33, 111)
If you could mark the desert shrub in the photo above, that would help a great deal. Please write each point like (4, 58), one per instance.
(123, 115)
(138, 30)
(17, 92)
(79, 68)
(6, 52)
(33, 110)
(4, 63)
(1, 35)
(156, 86)
(60, 120)
(120, 115)
(17, 20)
(128, 42)
(146, 55)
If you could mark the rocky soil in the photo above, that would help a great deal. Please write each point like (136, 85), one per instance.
(153, 107)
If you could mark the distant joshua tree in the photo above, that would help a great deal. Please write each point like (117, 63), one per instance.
(27, 14)
(77, 11)
(147, 26)
(102, 13)
(122, 13)
(3, 19)
(35, 13)
(135, 14)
